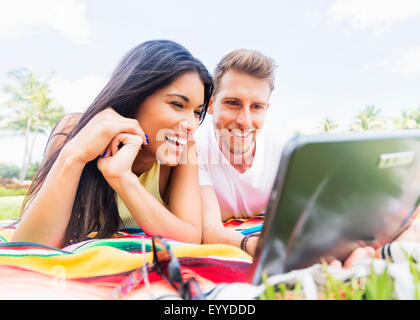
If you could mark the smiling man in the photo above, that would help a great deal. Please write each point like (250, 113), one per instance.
(238, 160)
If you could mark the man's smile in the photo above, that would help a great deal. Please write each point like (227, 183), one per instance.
(239, 133)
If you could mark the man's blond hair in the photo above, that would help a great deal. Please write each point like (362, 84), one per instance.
(250, 62)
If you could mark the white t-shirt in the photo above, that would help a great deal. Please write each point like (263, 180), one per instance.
(240, 195)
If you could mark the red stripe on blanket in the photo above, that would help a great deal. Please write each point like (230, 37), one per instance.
(212, 269)
(218, 271)
(234, 223)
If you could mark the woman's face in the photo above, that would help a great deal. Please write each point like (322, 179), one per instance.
(170, 116)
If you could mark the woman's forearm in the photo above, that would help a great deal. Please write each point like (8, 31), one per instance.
(220, 234)
(151, 215)
(223, 235)
(47, 215)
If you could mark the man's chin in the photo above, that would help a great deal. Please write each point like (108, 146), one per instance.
(239, 154)
(239, 148)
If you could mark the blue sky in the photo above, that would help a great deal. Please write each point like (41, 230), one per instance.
(334, 57)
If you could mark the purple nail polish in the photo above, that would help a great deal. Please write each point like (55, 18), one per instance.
(103, 154)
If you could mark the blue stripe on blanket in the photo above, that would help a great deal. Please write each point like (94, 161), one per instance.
(256, 228)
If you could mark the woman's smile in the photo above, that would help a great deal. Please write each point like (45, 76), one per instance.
(176, 142)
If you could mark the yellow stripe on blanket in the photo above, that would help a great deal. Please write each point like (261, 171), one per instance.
(104, 260)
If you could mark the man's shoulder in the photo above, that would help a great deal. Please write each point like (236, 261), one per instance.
(273, 139)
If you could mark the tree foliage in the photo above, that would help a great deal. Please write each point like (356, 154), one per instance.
(410, 119)
(29, 112)
(33, 168)
(9, 170)
(329, 125)
(369, 119)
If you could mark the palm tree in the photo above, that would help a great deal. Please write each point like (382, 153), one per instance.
(409, 120)
(329, 125)
(368, 119)
(29, 112)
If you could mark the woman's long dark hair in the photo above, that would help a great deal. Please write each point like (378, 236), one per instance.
(145, 69)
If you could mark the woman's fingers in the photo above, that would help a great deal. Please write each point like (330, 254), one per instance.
(370, 251)
(358, 255)
(114, 123)
(114, 145)
(132, 126)
(119, 161)
(125, 139)
(336, 264)
(129, 125)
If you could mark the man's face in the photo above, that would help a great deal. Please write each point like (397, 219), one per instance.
(238, 110)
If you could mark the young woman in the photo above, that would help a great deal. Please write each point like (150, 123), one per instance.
(126, 161)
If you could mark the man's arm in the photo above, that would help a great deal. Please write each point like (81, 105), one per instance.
(213, 229)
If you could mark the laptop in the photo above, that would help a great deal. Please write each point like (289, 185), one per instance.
(334, 192)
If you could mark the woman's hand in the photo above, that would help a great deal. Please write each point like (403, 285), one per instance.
(94, 138)
(355, 257)
(117, 163)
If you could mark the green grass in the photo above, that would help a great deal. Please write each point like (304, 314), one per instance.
(376, 286)
(379, 286)
(10, 207)
(5, 192)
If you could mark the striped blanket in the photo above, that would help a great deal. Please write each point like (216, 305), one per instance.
(117, 268)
